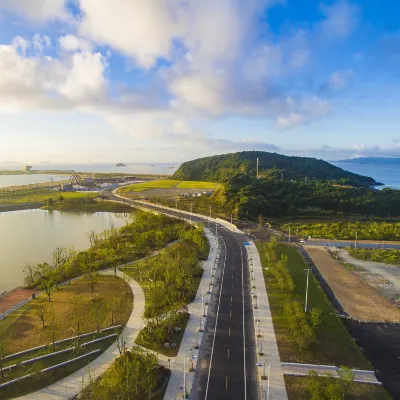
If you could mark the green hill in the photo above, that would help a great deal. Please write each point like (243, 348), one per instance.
(221, 168)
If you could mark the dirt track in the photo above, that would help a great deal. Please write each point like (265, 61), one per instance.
(356, 297)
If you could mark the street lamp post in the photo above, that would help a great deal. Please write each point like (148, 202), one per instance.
(306, 304)
(355, 241)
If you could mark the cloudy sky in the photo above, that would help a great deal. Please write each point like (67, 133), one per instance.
(172, 80)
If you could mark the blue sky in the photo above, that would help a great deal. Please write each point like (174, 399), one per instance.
(172, 80)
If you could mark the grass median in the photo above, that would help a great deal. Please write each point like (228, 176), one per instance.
(333, 344)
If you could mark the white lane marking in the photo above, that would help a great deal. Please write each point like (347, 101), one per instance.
(216, 320)
(244, 334)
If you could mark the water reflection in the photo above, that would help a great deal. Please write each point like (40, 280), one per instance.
(30, 236)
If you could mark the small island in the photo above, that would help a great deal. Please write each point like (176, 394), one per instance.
(120, 165)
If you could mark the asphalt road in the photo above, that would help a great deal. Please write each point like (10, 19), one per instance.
(226, 368)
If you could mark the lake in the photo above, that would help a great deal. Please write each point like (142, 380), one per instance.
(18, 180)
(30, 236)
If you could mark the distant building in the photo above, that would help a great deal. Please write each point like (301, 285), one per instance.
(66, 187)
(26, 168)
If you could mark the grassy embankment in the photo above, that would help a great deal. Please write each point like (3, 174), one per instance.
(23, 329)
(39, 195)
(89, 205)
(170, 281)
(332, 345)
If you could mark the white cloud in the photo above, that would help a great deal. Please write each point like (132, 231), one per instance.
(338, 80)
(140, 29)
(36, 10)
(340, 19)
(74, 43)
(43, 82)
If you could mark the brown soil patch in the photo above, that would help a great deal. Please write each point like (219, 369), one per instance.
(15, 297)
(357, 298)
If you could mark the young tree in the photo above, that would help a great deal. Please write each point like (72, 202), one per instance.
(42, 311)
(122, 342)
(114, 303)
(315, 318)
(90, 272)
(260, 222)
(61, 198)
(59, 256)
(97, 311)
(78, 307)
(30, 272)
(53, 325)
(48, 285)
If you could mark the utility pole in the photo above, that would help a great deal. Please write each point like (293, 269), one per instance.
(176, 204)
(289, 233)
(257, 166)
(231, 219)
(216, 230)
(191, 207)
(355, 242)
(210, 211)
(306, 305)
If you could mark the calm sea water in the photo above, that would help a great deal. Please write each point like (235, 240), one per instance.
(389, 175)
(30, 236)
(18, 180)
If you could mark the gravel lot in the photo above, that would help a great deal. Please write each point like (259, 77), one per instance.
(357, 298)
(384, 277)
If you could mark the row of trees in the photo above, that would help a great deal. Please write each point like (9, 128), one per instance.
(348, 230)
(302, 326)
(388, 256)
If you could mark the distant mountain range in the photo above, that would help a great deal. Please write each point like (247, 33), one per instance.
(370, 160)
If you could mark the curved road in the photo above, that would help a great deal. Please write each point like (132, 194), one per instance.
(226, 368)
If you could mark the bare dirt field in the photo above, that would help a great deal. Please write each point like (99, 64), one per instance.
(356, 297)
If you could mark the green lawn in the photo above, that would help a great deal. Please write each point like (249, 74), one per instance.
(198, 185)
(334, 345)
(140, 187)
(168, 184)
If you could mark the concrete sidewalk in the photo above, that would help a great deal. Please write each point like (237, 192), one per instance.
(270, 362)
(73, 384)
(295, 369)
(192, 335)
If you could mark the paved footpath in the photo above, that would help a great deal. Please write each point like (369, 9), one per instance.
(14, 300)
(266, 341)
(73, 384)
(294, 369)
(192, 336)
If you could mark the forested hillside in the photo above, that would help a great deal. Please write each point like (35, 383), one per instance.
(221, 168)
(249, 198)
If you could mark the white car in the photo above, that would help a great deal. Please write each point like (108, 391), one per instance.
(302, 241)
